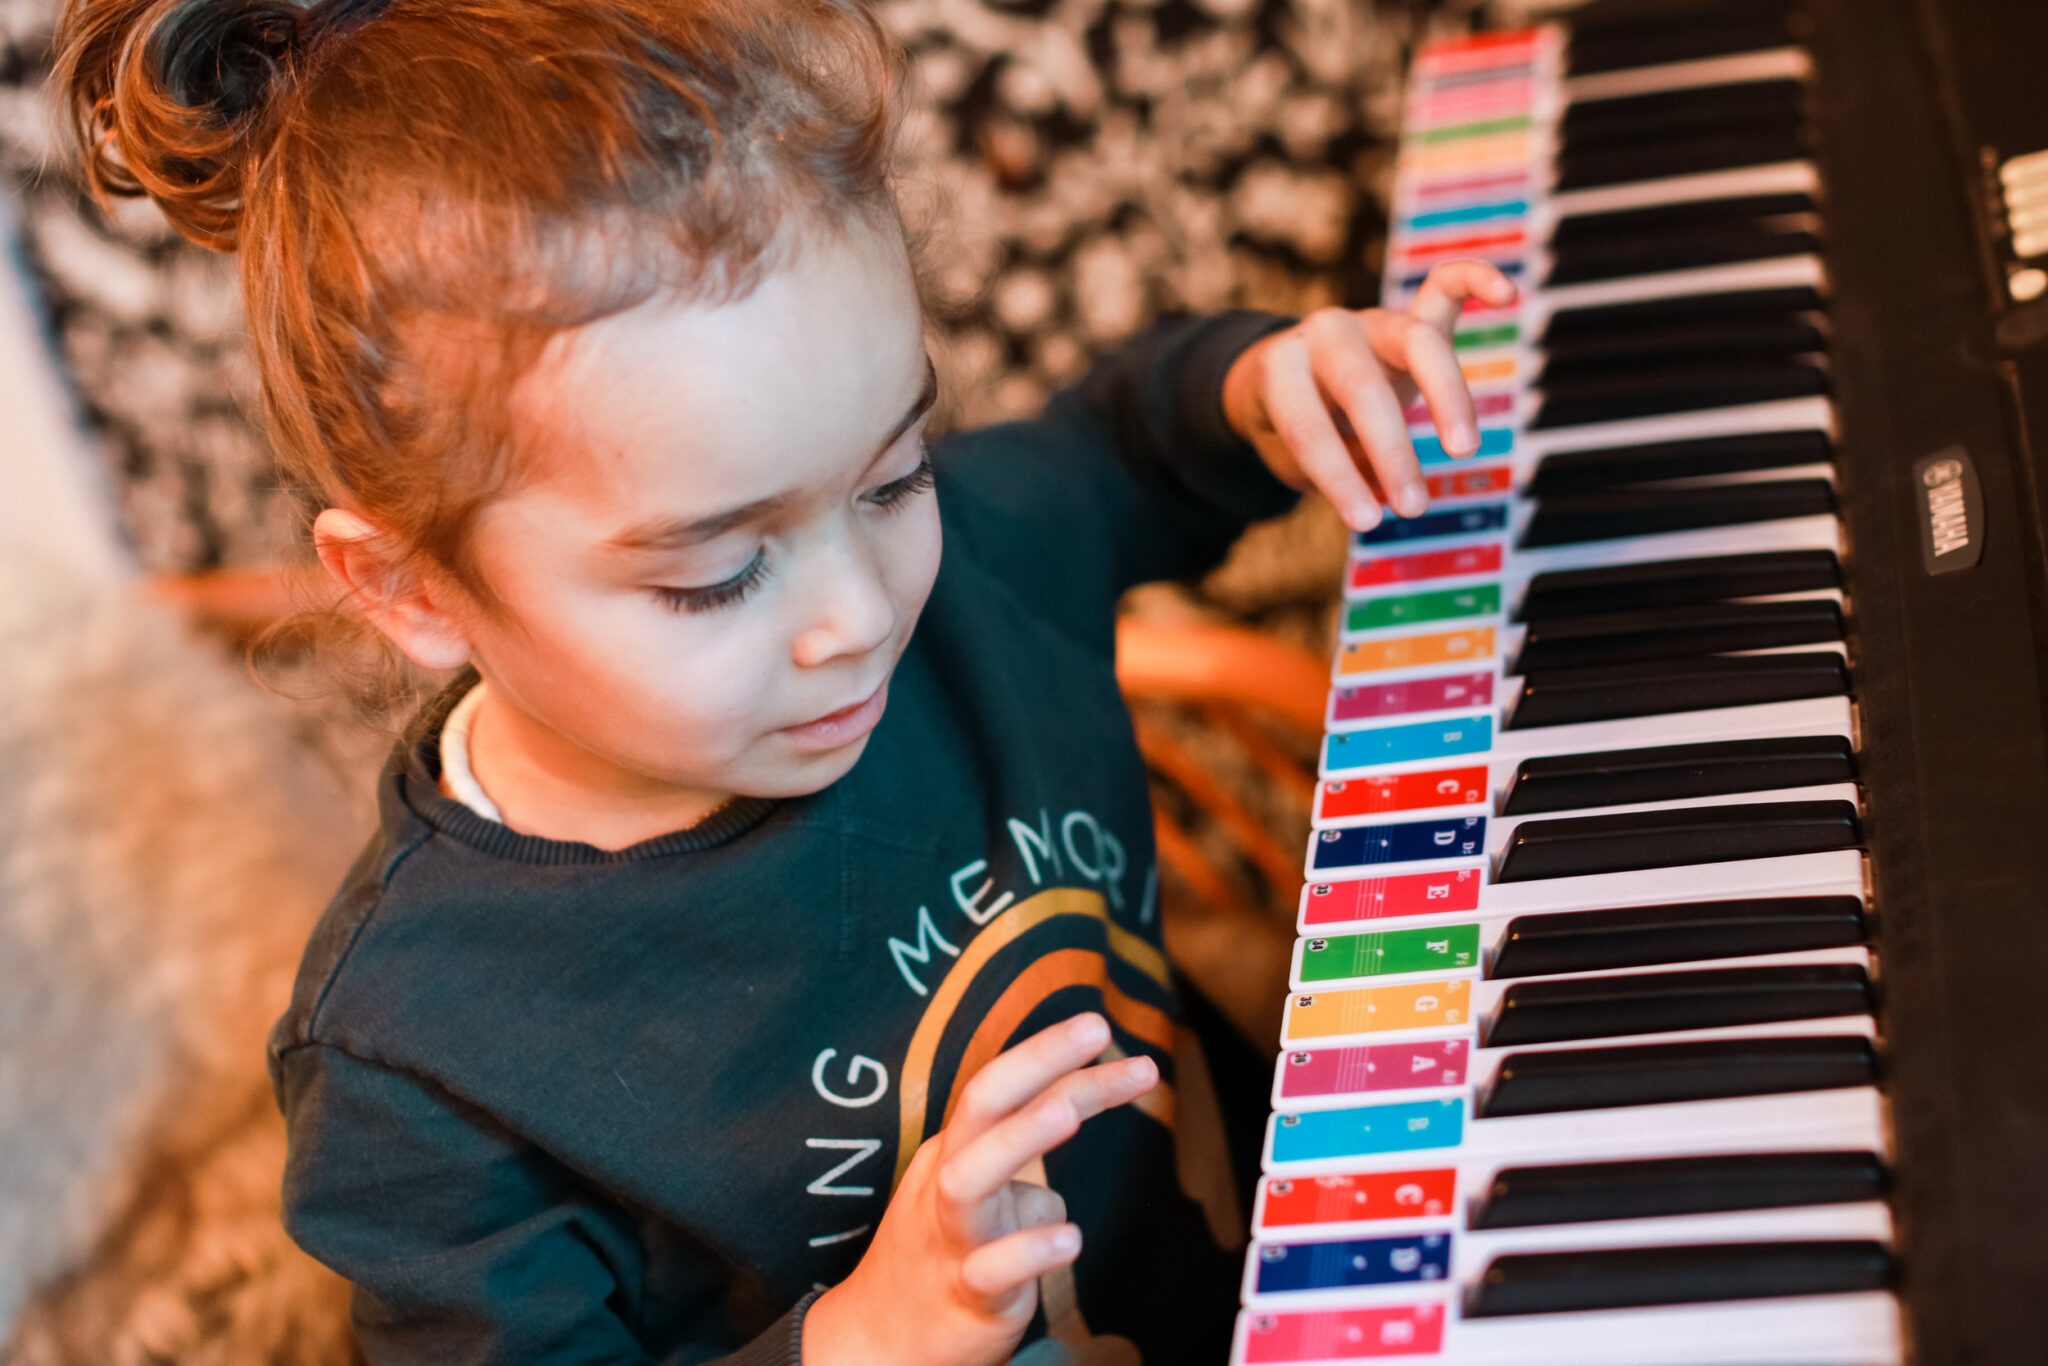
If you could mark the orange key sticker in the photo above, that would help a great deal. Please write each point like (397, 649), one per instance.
(1407, 652)
(1378, 1010)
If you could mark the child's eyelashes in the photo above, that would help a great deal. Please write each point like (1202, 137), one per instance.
(713, 596)
(897, 492)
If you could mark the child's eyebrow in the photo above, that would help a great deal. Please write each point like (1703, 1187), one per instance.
(672, 533)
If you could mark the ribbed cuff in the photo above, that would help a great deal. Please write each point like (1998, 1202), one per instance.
(783, 1342)
(1221, 465)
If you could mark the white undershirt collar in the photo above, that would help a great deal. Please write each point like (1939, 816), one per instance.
(456, 773)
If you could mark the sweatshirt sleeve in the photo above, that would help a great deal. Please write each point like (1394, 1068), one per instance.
(467, 1246)
(1130, 475)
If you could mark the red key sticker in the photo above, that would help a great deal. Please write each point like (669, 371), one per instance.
(1466, 483)
(1428, 564)
(1330, 903)
(1355, 1197)
(1374, 1067)
(1409, 1330)
(1344, 797)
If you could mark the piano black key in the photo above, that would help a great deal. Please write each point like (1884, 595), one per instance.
(1588, 168)
(1662, 583)
(1679, 251)
(1653, 35)
(1559, 1010)
(1676, 1073)
(1587, 471)
(1751, 335)
(1586, 326)
(1669, 632)
(1679, 387)
(1630, 841)
(1669, 773)
(1666, 114)
(1664, 686)
(1687, 932)
(1638, 1277)
(1590, 1192)
(1614, 513)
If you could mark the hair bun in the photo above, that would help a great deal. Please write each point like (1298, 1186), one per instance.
(224, 56)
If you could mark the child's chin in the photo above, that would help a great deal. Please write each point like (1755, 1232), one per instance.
(804, 772)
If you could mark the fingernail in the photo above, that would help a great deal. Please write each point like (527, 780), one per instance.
(1142, 1068)
(1413, 500)
(1364, 515)
(1066, 1240)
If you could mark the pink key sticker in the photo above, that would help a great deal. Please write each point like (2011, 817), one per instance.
(1409, 1330)
(1374, 1067)
(1416, 694)
(1330, 903)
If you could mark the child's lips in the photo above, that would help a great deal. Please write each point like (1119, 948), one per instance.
(841, 727)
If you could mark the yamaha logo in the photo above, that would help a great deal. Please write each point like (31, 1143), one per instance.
(1951, 511)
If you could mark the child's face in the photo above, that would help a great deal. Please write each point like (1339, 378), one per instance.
(726, 534)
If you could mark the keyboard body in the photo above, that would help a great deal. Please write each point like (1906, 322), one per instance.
(1674, 919)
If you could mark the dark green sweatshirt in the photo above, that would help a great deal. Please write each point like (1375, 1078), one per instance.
(549, 1103)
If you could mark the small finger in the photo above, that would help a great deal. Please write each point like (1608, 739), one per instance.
(977, 1170)
(995, 1269)
(1348, 369)
(1428, 357)
(1445, 289)
(1301, 416)
(1018, 1074)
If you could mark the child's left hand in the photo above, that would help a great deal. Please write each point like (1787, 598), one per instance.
(1323, 400)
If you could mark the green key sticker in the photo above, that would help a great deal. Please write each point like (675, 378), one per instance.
(1379, 955)
(1473, 338)
(1484, 128)
(1412, 608)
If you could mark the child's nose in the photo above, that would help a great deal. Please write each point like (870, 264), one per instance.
(850, 611)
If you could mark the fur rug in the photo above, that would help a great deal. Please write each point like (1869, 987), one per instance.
(168, 831)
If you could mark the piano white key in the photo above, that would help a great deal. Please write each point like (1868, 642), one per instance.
(1812, 414)
(1777, 64)
(1471, 1251)
(1849, 1119)
(1815, 1330)
(1780, 177)
(1775, 273)
(1484, 998)
(1483, 1064)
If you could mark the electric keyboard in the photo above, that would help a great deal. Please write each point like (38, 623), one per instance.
(1674, 906)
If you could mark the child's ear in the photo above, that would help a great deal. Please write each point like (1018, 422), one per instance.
(389, 590)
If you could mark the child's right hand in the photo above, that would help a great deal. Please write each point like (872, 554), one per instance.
(951, 1278)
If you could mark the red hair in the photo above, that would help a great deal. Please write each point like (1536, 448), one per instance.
(424, 191)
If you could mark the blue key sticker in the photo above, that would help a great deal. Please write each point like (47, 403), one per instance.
(1364, 1130)
(1492, 441)
(1409, 842)
(1457, 522)
(1470, 213)
(1353, 1261)
(1353, 749)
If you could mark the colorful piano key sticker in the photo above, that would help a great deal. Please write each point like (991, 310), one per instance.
(1368, 1334)
(1346, 1263)
(1317, 1073)
(1474, 521)
(1362, 846)
(1345, 751)
(1312, 1136)
(1347, 798)
(1451, 893)
(1392, 571)
(1360, 1011)
(1391, 953)
(1340, 1198)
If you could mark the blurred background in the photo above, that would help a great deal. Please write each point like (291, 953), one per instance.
(169, 830)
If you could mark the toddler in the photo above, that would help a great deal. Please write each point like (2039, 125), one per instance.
(758, 958)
